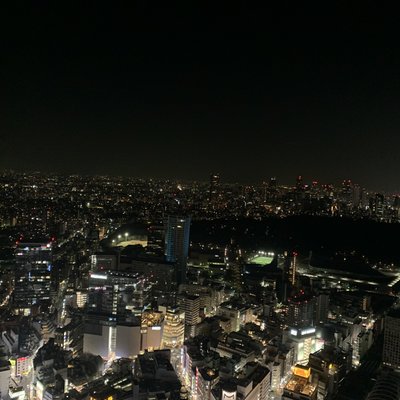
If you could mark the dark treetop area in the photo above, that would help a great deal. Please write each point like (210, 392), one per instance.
(375, 240)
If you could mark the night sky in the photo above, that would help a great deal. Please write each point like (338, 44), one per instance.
(247, 92)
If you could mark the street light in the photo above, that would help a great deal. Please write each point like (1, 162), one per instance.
(126, 235)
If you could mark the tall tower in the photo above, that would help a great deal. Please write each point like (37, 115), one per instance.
(155, 241)
(191, 306)
(177, 234)
(33, 276)
(234, 264)
(322, 309)
(214, 189)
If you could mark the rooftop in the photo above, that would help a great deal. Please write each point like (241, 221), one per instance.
(300, 385)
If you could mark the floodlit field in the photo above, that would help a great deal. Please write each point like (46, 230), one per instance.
(261, 260)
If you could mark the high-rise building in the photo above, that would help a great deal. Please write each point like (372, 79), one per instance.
(32, 276)
(155, 240)
(191, 306)
(391, 341)
(347, 193)
(115, 293)
(174, 328)
(289, 274)
(304, 343)
(356, 196)
(270, 190)
(234, 264)
(322, 308)
(214, 189)
(330, 364)
(361, 344)
(301, 309)
(377, 205)
(177, 234)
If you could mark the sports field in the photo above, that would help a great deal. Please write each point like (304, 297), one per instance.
(261, 260)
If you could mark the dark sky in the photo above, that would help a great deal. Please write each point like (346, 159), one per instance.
(248, 92)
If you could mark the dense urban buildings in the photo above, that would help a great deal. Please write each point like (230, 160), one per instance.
(116, 288)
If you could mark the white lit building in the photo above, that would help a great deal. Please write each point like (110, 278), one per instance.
(305, 342)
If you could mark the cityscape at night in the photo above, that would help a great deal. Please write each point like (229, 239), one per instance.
(199, 205)
(132, 288)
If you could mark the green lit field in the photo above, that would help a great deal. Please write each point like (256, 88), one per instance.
(261, 260)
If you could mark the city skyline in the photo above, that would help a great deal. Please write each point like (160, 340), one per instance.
(199, 203)
(117, 288)
(308, 181)
(110, 92)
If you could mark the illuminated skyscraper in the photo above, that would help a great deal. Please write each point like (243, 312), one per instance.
(377, 205)
(33, 275)
(155, 240)
(234, 264)
(191, 305)
(301, 310)
(177, 234)
(214, 189)
(322, 308)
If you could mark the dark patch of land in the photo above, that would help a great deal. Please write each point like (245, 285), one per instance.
(323, 235)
